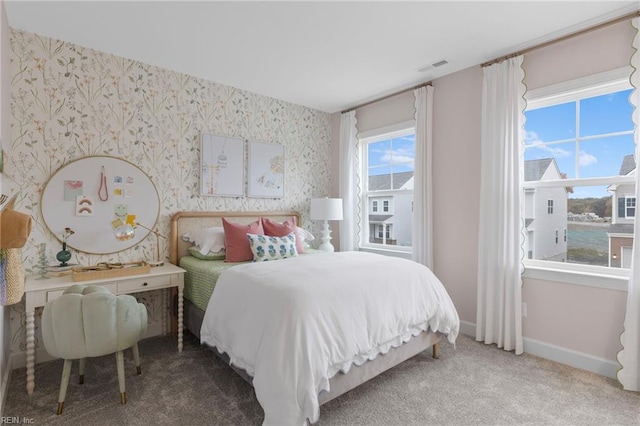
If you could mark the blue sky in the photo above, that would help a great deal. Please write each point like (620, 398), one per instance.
(391, 155)
(597, 157)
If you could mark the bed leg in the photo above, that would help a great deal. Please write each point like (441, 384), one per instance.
(436, 350)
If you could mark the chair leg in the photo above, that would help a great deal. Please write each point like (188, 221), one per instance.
(66, 373)
(136, 358)
(120, 365)
(83, 364)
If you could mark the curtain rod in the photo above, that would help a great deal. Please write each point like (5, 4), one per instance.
(428, 83)
(563, 38)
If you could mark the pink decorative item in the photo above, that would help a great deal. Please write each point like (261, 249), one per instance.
(236, 242)
(277, 229)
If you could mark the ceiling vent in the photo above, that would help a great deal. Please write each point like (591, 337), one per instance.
(434, 65)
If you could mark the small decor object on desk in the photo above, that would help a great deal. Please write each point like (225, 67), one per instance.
(64, 255)
(157, 261)
(60, 271)
(326, 209)
(41, 266)
(109, 270)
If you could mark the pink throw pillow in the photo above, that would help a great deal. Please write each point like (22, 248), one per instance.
(236, 242)
(277, 229)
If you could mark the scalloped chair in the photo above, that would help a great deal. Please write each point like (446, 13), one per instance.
(89, 321)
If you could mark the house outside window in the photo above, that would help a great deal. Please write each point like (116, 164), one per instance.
(387, 169)
(579, 142)
(539, 224)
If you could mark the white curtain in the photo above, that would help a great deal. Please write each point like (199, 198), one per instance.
(629, 356)
(422, 233)
(499, 318)
(349, 181)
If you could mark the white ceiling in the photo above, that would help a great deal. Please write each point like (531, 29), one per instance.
(325, 55)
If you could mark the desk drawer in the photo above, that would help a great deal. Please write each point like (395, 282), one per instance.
(142, 284)
(54, 294)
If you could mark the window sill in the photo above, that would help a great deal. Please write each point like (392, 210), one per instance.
(610, 281)
(387, 252)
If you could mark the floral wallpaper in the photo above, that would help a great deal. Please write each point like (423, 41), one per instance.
(70, 102)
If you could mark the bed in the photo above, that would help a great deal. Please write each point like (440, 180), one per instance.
(240, 339)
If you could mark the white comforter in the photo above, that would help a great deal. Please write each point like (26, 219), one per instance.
(292, 324)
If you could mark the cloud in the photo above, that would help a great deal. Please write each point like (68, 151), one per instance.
(585, 159)
(532, 140)
(401, 155)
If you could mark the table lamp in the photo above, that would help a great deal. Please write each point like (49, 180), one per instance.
(158, 261)
(326, 209)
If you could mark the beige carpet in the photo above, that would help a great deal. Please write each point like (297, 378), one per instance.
(474, 384)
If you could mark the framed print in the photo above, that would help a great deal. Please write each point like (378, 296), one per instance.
(221, 166)
(266, 170)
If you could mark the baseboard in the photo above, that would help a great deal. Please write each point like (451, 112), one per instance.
(572, 358)
(19, 359)
(559, 354)
(468, 329)
(4, 389)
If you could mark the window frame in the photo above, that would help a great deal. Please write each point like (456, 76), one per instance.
(571, 91)
(364, 138)
(549, 206)
(627, 207)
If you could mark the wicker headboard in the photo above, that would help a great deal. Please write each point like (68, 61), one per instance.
(183, 222)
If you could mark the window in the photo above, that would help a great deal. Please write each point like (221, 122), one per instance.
(579, 158)
(388, 159)
(630, 204)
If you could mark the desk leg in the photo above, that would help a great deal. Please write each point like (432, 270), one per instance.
(31, 352)
(165, 307)
(180, 317)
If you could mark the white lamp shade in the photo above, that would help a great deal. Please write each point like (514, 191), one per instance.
(326, 209)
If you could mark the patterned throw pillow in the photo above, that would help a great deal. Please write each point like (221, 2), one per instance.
(265, 247)
(277, 229)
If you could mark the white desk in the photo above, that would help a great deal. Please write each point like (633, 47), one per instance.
(39, 292)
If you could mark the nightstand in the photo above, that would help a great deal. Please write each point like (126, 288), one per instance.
(39, 292)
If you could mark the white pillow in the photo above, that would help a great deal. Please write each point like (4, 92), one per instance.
(266, 247)
(208, 240)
